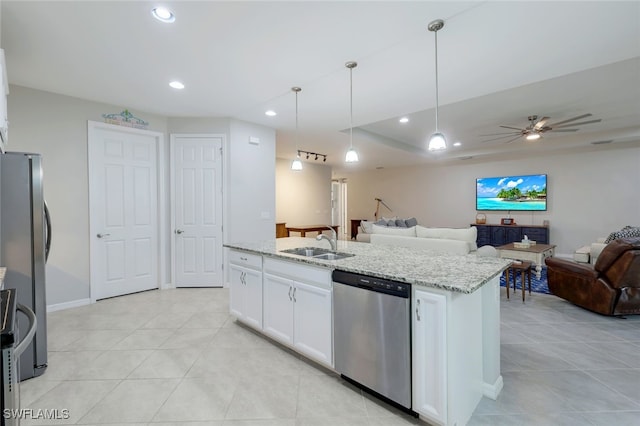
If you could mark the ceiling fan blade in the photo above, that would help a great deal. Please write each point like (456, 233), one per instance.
(501, 137)
(578, 124)
(516, 138)
(564, 130)
(540, 123)
(509, 127)
(571, 119)
(496, 134)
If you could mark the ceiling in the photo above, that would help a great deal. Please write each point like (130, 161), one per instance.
(499, 62)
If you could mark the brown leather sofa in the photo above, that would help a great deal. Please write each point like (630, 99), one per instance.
(610, 287)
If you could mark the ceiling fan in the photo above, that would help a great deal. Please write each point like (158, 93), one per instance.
(537, 127)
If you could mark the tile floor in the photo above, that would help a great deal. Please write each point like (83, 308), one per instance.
(176, 357)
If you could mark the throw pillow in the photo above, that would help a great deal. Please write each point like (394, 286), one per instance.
(411, 222)
(389, 218)
(626, 232)
(366, 226)
(401, 223)
(381, 222)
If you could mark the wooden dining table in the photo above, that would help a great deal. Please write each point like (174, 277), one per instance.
(309, 228)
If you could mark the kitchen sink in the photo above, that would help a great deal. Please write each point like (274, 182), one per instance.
(333, 256)
(317, 253)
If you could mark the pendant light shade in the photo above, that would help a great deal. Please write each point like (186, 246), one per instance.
(296, 165)
(352, 155)
(437, 141)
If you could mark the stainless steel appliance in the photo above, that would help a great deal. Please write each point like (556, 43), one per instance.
(25, 239)
(372, 334)
(11, 351)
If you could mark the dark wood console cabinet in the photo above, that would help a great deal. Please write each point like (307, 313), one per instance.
(498, 235)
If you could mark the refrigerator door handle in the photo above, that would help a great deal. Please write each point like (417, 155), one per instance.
(33, 325)
(47, 222)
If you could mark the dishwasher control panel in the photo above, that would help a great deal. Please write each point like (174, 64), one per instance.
(394, 288)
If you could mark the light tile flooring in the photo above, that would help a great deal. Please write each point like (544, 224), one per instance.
(176, 357)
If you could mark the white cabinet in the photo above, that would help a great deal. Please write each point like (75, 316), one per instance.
(297, 308)
(4, 91)
(430, 356)
(245, 288)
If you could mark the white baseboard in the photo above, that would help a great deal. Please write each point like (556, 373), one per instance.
(493, 390)
(68, 305)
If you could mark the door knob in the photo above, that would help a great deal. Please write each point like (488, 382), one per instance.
(102, 235)
(179, 231)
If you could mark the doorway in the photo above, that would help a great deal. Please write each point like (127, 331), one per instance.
(196, 214)
(339, 206)
(125, 209)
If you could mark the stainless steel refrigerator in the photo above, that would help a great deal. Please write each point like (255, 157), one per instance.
(25, 239)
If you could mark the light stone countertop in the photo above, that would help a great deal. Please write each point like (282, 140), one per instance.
(463, 274)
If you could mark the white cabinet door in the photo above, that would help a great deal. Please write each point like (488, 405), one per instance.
(246, 295)
(430, 356)
(278, 308)
(253, 298)
(312, 322)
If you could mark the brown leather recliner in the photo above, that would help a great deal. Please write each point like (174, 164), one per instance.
(610, 287)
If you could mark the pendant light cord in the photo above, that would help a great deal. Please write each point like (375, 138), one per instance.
(350, 108)
(297, 122)
(437, 100)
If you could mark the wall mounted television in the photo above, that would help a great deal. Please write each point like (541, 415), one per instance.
(512, 193)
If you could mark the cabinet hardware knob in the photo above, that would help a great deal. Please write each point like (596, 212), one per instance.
(290, 288)
(294, 294)
(418, 309)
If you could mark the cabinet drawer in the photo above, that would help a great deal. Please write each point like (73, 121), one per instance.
(299, 272)
(245, 259)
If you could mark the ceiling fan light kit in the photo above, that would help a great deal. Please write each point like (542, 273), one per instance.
(437, 141)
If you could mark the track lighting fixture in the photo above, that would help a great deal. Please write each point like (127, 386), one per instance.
(313, 154)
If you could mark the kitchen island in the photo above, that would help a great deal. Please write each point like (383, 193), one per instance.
(455, 301)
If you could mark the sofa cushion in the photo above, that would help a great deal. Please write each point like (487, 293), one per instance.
(404, 232)
(436, 245)
(626, 232)
(461, 234)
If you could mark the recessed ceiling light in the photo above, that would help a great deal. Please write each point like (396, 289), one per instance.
(271, 113)
(176, 85)
(404, 120)
(457, 143)
(163, 14)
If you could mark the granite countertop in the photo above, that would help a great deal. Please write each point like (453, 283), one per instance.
(463, 274)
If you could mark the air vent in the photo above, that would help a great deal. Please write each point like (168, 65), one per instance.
(601, 142)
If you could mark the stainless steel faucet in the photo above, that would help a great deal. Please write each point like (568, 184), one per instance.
(333, 241)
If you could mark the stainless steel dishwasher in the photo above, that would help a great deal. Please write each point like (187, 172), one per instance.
(372, 334)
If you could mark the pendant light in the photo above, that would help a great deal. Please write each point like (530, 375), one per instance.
(296, 165)
(352, 155)
(437, 141)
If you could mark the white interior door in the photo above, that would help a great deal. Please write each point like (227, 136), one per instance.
(124, 213)
(197, 210)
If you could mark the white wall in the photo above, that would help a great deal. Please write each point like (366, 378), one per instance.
(250, 200)
(56, 127)
(590, 194)
(303, 197)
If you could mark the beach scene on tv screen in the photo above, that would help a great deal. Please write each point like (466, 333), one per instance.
(512, 193)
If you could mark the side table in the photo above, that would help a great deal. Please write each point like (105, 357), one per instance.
(523, 267)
